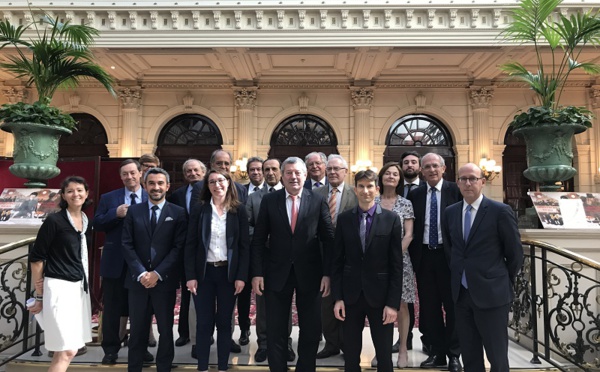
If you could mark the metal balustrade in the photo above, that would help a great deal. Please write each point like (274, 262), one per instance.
(555, 312)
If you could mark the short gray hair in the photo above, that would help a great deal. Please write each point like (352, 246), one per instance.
(339, 157)
(320, 154)
(214, 155)
(294, 160)
(157, 170)
(187, 162)
(430, 154)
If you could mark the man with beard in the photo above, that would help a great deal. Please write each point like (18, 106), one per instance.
(153, 237)
(193, 172)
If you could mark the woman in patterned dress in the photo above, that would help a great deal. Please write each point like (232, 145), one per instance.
(391, 184)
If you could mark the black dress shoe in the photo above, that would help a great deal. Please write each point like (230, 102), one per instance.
(396, 347)
(260, 356)
(235, 348)
(194, 355)
(434, 361)
(291, 354)
(182, 341)
(326, 353)
(110, 359)
(454, 364)
(148, 358)
(245, 338)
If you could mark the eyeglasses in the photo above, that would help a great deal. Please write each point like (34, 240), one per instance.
(218, 180)
(432, 166)
(334, 169)
(470, 179)
(148, 165)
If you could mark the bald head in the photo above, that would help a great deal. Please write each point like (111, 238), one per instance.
(470, 182)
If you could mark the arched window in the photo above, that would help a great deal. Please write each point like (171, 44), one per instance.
(89, 139)
(183, 137)
(423, 134)
(300, 135)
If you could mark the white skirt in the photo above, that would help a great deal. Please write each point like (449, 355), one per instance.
(67, 316)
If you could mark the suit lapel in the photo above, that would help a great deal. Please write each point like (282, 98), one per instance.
(356, 228)
(345, 198)
(163, 216)
(230, 230)
(478, 218)
(374, 224)
(205, 217)
(304, 207)
(147, 215)
(283, 209)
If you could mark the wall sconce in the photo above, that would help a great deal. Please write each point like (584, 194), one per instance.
(239, 170)
(362, 165)
(489, 168)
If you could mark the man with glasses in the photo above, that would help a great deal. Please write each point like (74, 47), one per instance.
(340, 198)
(315, 164)
(430, 264)
(484, 249)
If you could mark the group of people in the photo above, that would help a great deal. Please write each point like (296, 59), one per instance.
(347, 252)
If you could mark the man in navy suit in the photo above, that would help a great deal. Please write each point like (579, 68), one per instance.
(430, 264)
(193, 172)
(111, 212)
(220, 159)
(315, 165)
(153, 238)
(367, 274)
(297, 226)
(484, 249)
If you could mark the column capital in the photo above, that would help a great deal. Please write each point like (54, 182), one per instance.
(130, 98)
(481, 97)
(595, 96)
(245, 98)
(362, 98)
(15, 94)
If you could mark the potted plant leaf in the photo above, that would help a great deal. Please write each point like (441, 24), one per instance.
(58, 55)
(558, 41)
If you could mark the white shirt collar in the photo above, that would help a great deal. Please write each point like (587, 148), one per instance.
(340, 187)
(279, 186)
(438, 187)
(322, 181)
(160, 205)
(475, 205)
(287, 194)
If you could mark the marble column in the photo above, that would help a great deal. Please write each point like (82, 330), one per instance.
(130, 99)
(480, 98)
(362, 99)
(245, 101)
(13, 94)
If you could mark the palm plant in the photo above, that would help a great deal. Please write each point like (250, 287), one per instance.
(58, 57)
(565, 38)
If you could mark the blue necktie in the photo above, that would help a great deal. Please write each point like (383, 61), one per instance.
(433, 225)
(133, 201)
(317, 184)
(466, 231)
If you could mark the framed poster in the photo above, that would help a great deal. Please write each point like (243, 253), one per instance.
(27, 206)
(567, 210)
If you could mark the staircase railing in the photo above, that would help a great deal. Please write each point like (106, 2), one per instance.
(16, 337)
(556, 309)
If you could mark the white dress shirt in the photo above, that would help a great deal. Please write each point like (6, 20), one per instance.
(217, 250)
(138, 195)
(252, 189)
(474, 209)
(438, 194)
(288, 205)
(338, 199)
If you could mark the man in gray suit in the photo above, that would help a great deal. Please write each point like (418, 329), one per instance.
(340, 198)
(272, 174)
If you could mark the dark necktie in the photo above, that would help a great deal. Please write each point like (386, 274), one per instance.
(255, 189)
(271, 189)
(407, 189)
(433, 225)
(132, 196)
(317, 184)
(153, 219)
(363, 230)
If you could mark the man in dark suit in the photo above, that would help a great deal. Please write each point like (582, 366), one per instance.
(296, 223)
(109, 216)
(315, 164)
(340, 198)
(153, 238)
(193, 172)
(272, 175)
(367, 274)
(254, 167)
(484, 249)
(430, 264)
(220, 159)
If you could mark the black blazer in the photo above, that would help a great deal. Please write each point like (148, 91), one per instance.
(308, 183)
(301, 249)
(198, 241)
(177, 197)
(418, 197)
(144, 251)
(492, 256)
(377, 272)
(106, 220)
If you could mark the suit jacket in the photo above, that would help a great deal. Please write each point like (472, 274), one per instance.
(106, 220)
(348, 200)
(144, 251)
(491, 257)
(247, 186)
(253, 207)
(377, 272)
(241, 191)
(300, 249)
(177, 197)
(198, 242)
(308, 183)
(450, 194)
